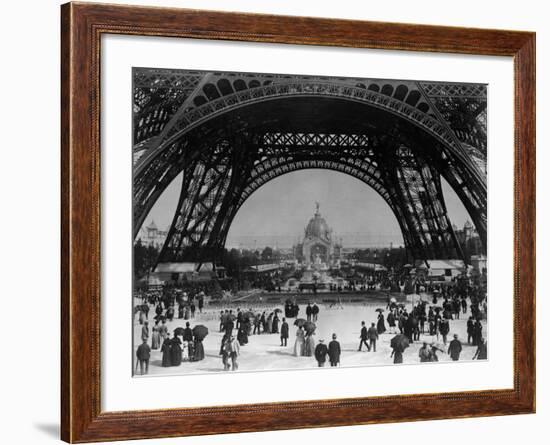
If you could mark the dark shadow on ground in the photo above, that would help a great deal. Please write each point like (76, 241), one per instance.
(49, 429)
(280, 353)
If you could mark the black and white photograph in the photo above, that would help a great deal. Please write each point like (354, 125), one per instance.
(285, 221)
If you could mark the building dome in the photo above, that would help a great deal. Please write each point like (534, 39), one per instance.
(318, 227)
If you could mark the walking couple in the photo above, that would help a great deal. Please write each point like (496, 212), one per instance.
(230, 350)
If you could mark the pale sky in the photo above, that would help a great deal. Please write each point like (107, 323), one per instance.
(277, 212)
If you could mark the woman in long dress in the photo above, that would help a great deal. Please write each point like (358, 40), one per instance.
(155, 338)
(270, 323)
(175, 351)
(166, 347)
(381, 327)
(141, 316)
(199, 350)
(391, 322)
(275, 326)
(397, 354)
(310, 346)
(242, 335)
(300, 343)
(145, 331)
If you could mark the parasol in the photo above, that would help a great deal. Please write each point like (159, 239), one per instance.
(250, 315)
(299, 322)
(393, 300)
(199, 332)
(178, 331)
(309, 327)
(379, 310)
(399, 341)
(402, 305)
(278, 310)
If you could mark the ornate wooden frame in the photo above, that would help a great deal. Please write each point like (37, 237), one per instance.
(81, 28)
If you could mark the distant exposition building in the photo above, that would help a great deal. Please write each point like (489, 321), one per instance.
(318, 241)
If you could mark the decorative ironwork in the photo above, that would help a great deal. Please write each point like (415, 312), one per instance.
(225, 152)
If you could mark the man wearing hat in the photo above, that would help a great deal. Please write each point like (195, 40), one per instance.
(187, 332)
(321, 352)
(425, 353)
(373, 336)
(363, 337)
(455, 348)
(143, 355)
(334, 351)
(284, 332)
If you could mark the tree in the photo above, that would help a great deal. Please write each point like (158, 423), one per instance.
(267, 254)
(144, 258)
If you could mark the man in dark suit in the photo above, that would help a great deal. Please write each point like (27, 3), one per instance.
(455, 348)
(229, 325)
(314, 312)
(321, 352)
(334, 351)
(284, 332)
(308, 311)
(187, 333)
(364, 335)
(143, 355)
(372, 333)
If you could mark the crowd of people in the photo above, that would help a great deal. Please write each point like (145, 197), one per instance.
(455, 302)
(247, 323)
(429, 316)
(183, 345)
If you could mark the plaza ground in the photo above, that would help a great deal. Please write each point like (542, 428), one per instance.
(263, 352)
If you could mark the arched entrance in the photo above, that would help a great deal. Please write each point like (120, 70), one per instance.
(230, 137)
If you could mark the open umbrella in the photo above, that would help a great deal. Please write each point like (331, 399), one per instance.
(178, 331)
(393, 300)
(399, 341)
(437, 308)
(278, 310)
(200, 331)
(299, 322)
(402, 305)
(309, 327)
(379, 310)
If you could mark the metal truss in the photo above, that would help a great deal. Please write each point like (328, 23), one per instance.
(463, 107)
(222, 179)
(374, 95)
(224, 161)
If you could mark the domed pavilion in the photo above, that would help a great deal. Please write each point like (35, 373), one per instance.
(318, 242)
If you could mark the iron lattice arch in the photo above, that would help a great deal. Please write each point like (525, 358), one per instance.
(228, 134)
